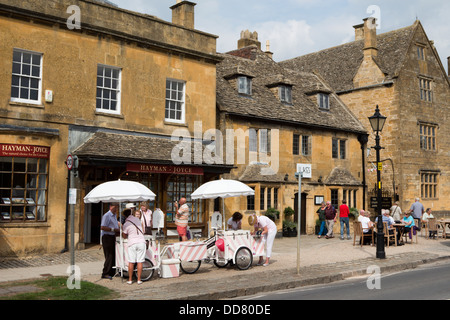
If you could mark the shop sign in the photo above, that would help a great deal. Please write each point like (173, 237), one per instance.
(155, 168)
(24, 151)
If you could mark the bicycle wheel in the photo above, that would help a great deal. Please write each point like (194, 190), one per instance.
(221, 263)
(190, 267)
(147, 271)
(244, 258)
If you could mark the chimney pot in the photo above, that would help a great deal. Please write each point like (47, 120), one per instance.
(448, 65)
(359, 32)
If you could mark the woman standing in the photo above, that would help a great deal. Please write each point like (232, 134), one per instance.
(321, 213)
(146, 218)
(269, 231)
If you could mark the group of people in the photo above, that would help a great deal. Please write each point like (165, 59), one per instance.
(135, 224)
(267, 228)
(328, 217)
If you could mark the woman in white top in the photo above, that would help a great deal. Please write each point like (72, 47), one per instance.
(269, 231)
(146, 218)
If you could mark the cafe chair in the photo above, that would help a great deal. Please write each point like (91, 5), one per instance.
(433, 226)
(388, 235)
(358, 232)
(406, 235)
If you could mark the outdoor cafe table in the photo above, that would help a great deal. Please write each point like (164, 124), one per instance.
(444, 223)
(400, 229)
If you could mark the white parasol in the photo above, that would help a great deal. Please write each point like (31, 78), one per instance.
(119, 191)
(223, 188)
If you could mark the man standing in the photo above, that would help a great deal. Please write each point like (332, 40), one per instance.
(330, 216)
(417, 210)
(109, 227)
(344, 219)
(182, 218)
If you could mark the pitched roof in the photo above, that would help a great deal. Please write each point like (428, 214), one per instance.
(342, 177)
(265, 104)
(139, 148)
(339, 65)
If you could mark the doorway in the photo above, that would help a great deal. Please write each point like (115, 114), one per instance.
(303, 212)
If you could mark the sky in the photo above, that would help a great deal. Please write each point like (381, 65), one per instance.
(298, 27)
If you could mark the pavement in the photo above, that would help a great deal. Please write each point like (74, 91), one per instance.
(321, 261)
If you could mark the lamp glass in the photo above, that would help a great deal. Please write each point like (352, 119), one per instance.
(377, 121)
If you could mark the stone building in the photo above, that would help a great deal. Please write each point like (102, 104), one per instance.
(282, 118)
(402, 73)
(111, 87)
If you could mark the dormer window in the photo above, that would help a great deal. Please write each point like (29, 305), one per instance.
(285, 93)
(245, 85)
(324, 101)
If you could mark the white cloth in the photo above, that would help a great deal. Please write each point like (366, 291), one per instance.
(364, 223)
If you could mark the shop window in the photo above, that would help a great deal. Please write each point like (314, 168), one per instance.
(182, 186)
(23, 189)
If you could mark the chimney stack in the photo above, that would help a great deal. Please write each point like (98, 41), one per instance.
(359, 32)
(183, 14)
(249, 39)
(268, 52)
(370, 37)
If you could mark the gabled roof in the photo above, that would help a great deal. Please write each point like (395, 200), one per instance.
(339, 65)
(265, 105)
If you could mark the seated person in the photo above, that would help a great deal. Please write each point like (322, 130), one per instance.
(408, 221)
(428, 215)
(365, 222)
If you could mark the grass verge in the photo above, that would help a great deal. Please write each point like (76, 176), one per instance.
(55, 288)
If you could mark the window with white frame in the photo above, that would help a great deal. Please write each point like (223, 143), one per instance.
(108, 89)
(426, 92)
(175, 101)
(324, 101)
(26, 80)
(285, 93)
(264, 140)
(245, 85)
(428, 137)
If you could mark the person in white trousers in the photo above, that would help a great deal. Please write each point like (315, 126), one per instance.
(269, 231)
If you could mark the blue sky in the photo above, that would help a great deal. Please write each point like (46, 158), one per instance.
(298, 27)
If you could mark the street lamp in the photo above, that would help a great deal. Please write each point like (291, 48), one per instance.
(377, 122)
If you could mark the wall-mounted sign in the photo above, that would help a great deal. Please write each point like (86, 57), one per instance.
(24, 151)
(156, 168)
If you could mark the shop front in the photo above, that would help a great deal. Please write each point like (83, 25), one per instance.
(169, 182)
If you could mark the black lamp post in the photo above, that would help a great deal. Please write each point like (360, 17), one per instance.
(377, 122)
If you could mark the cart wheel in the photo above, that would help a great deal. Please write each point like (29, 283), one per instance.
(147, 271)
(221, 264)
(244, 258)
(190, 267)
